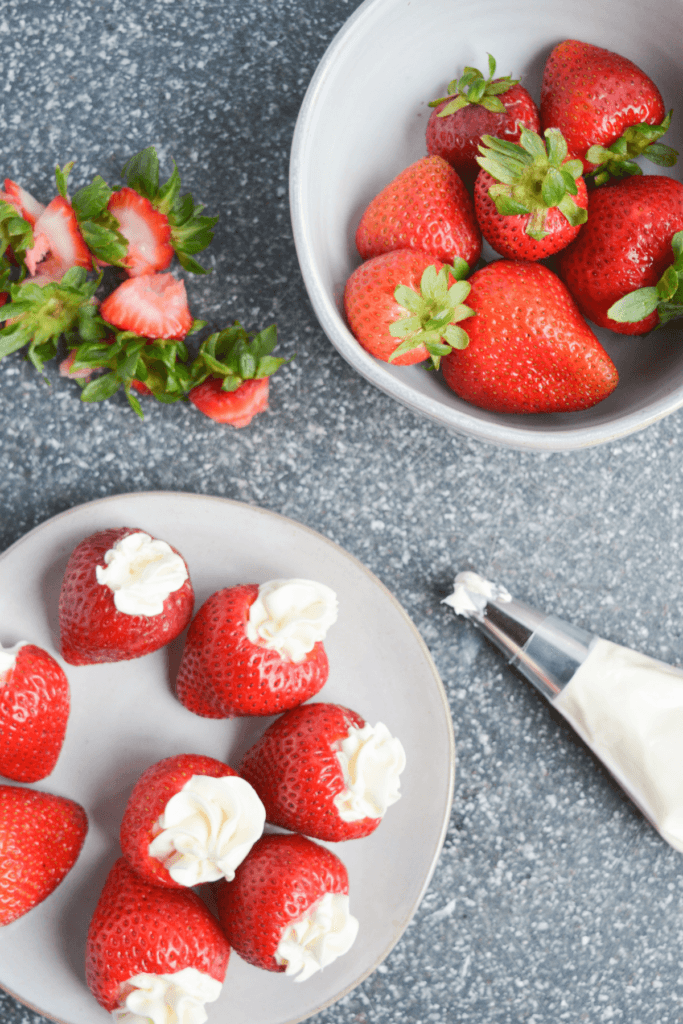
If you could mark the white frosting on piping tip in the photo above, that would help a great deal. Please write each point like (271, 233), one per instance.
(471, 592)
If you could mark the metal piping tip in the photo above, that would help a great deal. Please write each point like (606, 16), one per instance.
(544, 649)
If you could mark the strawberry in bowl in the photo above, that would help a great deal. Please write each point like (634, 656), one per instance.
(34, 710)
(323, 771)
(124, 595)
(257, 650)
(190, 819)
(288, 908)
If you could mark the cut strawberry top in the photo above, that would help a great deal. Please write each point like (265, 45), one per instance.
(29, 208)
(147, 230)
(59, 244)
(235, 407)
(153, 306)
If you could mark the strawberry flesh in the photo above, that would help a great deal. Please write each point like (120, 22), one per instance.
(24, 203)
(237, 408)
(153, 306)
(58, 242)
(147, 230)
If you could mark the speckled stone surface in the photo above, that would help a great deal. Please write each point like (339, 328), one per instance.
(553, 899)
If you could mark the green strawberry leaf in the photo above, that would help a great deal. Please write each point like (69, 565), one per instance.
(62, 177)
(15, 232)
(472, 87)
(617, 160)
(435, 311)
(634, 307)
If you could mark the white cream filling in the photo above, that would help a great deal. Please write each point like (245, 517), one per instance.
(628, 708)
(471, 592)
(8, 657)
(177, 998)
(208, 828)
(141, 573)
(327, 931)
(291, 616)
(371, 761)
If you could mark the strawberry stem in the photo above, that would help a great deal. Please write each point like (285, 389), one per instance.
(434, 313)
(618, 160)
(472, 87)
(666, 297)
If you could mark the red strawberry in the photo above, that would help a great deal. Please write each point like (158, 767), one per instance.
(58, 242)
(626, 245)
(228, 821)
(237, 408)
(140, 929)
(596, 98)
(147, 230)
(474, 107)
(41, 836)
(93, 629)
(283, 882)
(425, 207)
(153, 306)
(530, 350)
(403, 308)
(306, 772)
(34, 708)
(530, 199)
(28, 207)
(224, 674)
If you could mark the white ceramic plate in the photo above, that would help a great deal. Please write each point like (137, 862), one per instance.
(124, 717)
(363, 120)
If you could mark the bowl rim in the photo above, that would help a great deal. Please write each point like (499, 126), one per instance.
(507, 435)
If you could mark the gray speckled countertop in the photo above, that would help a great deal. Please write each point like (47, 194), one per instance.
(553, 899)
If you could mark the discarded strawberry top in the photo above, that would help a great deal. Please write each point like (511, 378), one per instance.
(58, 266)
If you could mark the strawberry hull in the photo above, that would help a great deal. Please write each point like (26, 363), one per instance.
(151, 793)
(277, 883)
(92, 629)
(34, 709)
(223, 674)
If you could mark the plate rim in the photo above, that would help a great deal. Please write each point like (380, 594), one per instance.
(441, 690)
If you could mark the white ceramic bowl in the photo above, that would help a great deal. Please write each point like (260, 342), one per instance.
(363, 120)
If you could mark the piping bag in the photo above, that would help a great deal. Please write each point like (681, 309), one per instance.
(625, 706)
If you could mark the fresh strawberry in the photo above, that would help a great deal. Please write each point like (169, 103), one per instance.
(626, 245)
(530, 198)
(153, 306)
(287, 909)
(402, 307)
(34, 709)
(474, 107)
(58, 242)
(27, 207)
(200, 837)
(530, 350)
(307, 771)
(425, 207)
(230, 374)
(165, 218)
(237, 408)
(144, 601)
(139, 930)
(41, 836)
(224, 674)
(608, 110)
(147, 230)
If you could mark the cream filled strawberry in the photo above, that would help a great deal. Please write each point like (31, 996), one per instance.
(190, 819)
(41, 836)
(153, 953)
(257, 650)
(34, 709)
(321, 770)
(288, 908)
(124, 594)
